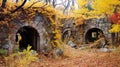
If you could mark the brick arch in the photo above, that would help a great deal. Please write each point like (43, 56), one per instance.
(92, 34)
(30, 36)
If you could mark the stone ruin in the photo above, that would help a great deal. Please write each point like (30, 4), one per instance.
(88, 32)
(35, 33)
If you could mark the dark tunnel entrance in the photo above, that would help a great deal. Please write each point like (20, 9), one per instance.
(29, 36)
(93, 35)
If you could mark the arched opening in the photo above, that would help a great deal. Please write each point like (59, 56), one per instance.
(29, 36)
(93, 35)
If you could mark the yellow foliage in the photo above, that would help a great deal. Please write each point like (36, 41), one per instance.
(79, 21)
(58, 36)
(81, 11)
(82, 3)
(21, 59)
(48, 11)
(100, 7)
(115, 28)
(105, 6)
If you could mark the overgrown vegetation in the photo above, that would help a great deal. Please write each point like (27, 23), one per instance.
(25, 12)
(2, 52)
(21, 59)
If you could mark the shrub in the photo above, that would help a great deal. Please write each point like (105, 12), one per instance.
(2, 52)
(21, 59)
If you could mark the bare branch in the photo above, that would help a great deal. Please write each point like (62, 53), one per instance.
(53, 3)
(66, 6)
(19, 6)
(33, 4)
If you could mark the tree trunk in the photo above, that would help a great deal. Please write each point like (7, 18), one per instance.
(118, 38)
(3, 3)
(113, 38)
(66, 6)
(53, 3)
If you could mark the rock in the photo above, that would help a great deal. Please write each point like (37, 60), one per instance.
(33, 53)
(83, 48)
(6, 46)
(59, 52)
(73, 45)
(104, 50)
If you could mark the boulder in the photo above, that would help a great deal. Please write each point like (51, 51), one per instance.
(104, 50)
(59, 52)
(71, 44)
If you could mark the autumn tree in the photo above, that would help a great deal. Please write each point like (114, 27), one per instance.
(99, 9)
(111, 9)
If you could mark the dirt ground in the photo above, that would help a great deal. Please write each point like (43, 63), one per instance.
(2, 62)
(78, 58)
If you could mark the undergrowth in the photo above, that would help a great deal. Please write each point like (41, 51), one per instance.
(117, 50)
(21, 59)
(2, 52)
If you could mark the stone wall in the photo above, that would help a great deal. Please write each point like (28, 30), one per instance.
(8, 34)
(41, 24)
(4, 30)
(103, 24)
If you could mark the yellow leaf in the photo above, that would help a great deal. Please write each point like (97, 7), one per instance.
(115, 28)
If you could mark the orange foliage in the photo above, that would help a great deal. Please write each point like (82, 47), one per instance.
(115, 18)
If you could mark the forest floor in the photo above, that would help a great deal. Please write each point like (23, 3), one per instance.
(81, 58)
(78, 58)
